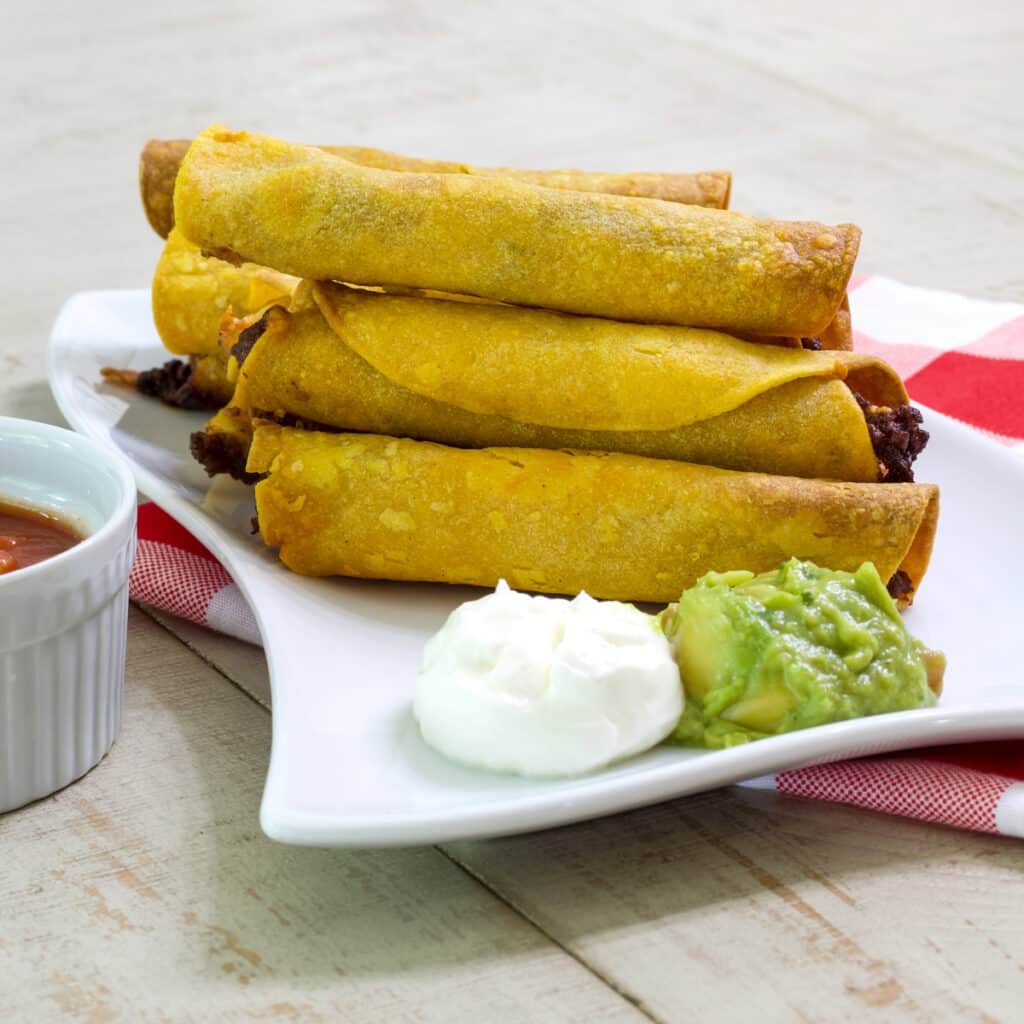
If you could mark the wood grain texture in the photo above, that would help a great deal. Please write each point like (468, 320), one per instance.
(806, 911)
(237, 661)
(146, 890)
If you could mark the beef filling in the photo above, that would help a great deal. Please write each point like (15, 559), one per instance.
(896, 436)
(814, 344)
(172, 384)
(899, 586)
(220, 453)
(249, 337)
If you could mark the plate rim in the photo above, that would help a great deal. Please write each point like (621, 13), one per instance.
(534, 810)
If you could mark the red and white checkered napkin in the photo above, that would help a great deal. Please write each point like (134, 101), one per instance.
(978, 786)
(175, 573)
(964, 357)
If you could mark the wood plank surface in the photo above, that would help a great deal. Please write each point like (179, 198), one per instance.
(803, 910)
(146, 891)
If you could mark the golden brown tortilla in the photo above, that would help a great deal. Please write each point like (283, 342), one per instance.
(485, 375)
(618, 526)
(306, 212)
(160, 159)
(192, 292)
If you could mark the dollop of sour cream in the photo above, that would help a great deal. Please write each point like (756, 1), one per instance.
(546, 686)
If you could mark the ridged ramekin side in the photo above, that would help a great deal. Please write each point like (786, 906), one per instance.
(60, 697)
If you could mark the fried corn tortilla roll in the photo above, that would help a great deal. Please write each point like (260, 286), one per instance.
(191, 294)
(210, 377)
(309, 213)
(618, 526)
(838, 336)
(839, 333)
(160, 159)
(158, 167)
(485, 375)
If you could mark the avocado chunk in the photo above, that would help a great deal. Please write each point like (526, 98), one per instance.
(761, 655)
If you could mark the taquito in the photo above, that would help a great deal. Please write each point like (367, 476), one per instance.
(160, 159)
(618, 526)
(192, 292)
(486, 375)
(209, 377)
(839, 333)
(306, 212)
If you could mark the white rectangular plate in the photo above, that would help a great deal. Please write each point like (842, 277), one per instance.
(348, 766)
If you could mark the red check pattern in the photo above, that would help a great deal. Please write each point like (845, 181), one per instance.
(945, 786)
(175, 573)
(964, 357)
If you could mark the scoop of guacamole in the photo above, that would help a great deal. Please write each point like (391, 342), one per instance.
(761, 655)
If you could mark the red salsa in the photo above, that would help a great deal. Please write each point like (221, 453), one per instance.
(30, 535)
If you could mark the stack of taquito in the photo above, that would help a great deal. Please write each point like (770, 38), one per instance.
(573, 381)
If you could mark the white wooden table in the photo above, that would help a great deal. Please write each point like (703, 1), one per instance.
(146, 891)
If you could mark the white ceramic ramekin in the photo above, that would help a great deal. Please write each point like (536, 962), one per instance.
(63, 621)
